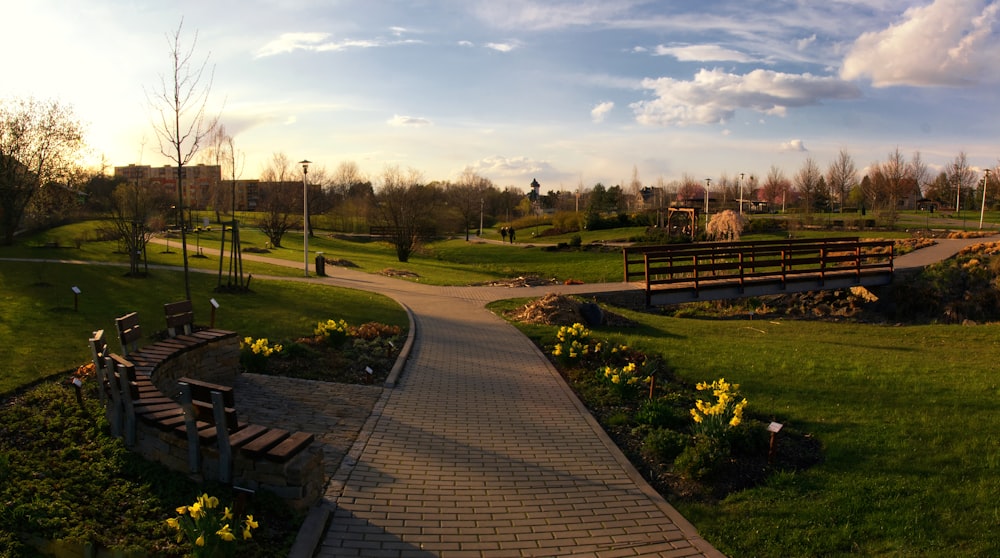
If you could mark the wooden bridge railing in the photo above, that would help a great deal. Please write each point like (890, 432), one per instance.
(725, 265)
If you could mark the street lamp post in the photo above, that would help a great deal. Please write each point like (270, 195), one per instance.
(741, 193)
(708, 182)
(982, 211)
(958, 194)
(305, 216)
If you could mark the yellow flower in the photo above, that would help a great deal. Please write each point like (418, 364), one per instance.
(173, 523)
(182, 510)
(225, 534)
(196, 510)
(250, 523)
(200, 541)
(227, 514)
(246, 534)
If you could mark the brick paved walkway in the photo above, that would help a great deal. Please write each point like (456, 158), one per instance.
(482, 450)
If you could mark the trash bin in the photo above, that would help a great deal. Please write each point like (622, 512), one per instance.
(320, 264)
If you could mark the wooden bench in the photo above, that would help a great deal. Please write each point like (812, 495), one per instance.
(129, 332)
(210, 416)
(199, 411)
(180, 317)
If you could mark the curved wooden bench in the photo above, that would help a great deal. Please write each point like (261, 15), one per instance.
(199, 411)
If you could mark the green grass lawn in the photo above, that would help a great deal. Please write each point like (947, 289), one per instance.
(444, 262)
(41, 333)
(907, 417)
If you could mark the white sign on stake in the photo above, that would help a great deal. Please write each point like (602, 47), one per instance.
(774, 427)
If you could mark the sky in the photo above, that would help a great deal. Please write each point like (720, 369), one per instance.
(570, 93)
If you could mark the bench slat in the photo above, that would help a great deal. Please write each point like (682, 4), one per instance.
(246, 434)
(261, 444)
(290, 446)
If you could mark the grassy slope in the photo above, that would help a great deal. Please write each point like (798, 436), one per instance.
(907, 417)
(41, 334)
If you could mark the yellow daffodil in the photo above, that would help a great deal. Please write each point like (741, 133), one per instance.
(225, 534)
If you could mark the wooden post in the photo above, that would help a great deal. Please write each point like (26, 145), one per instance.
(190, 427)
(222, 437)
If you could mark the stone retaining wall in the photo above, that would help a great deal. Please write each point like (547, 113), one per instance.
(217, 361)
(301, 480)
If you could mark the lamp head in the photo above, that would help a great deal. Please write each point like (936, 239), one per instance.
(305, 165)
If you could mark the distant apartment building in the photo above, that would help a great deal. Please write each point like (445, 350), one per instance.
(204, 187)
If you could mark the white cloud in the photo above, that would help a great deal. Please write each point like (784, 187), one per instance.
(408, 121)
(702, 53)
(793, 145)
(599, 112)
(713, 96)
(465, 43)
(549, 14)
(510, 166)
(502, 47)
(946, 43)
(290, 42)
(803, 44)
(317, 42)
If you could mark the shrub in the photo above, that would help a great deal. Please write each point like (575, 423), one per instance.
(372, 330)
(703, 460)
(575, 241)
(663, 444)
(662, 413)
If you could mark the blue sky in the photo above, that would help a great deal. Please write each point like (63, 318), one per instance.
(566, 92)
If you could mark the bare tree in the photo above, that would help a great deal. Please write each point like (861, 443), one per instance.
(891, 182)
(810, 185)
(279, 197)
(221, 150)
(182, 125)
(841, 176)
(133, 215)
(776, 187)
(405, 207)
(962, 178)
(690, 189)
(919, 173)
(39, 142)
(469, 197)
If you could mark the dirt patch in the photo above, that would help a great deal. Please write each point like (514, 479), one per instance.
(554, 309)
(339, 262)
(529, 281)
(390, 272)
